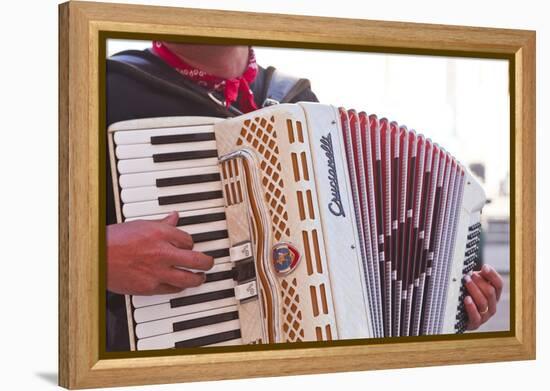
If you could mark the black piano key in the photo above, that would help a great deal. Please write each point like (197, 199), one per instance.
(208, 236)
(188, 180)
(218, 276)
(182, 138)
(202, 298)
(189, 155)
(206, 321)
(209, 339)
(200, 219)
(193, 197)
(241, 272)
(223, 252)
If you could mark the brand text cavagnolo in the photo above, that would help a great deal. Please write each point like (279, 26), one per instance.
(335, 206)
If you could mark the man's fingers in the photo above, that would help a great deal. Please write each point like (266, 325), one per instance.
(489, 292)
(174, 235)
(181, 278)
(179, 238)
(474, 318)
(187, 259)
(491, 275)
(171, 219)
(476, 294)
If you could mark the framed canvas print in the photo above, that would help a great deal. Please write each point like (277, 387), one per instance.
(299, 194)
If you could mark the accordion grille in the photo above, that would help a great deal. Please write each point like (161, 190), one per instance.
(259, 134)
(292, 316)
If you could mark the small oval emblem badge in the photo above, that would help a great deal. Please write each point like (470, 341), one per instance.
(285, 258)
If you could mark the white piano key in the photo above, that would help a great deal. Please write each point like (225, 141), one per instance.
(145, 208)
(165, 326)
(204, 227)
(144, 135)
(132, 151)
(149, 193)
(185, 213)
(143, 301)
(233, 342)
(147, 164)
(167, 341)
(193, 228)
(219, 261)
(150, 178)
(161, 311)
(212, 245)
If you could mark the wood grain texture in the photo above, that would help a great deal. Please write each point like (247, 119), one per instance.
(80, 23)
(291, 28)
(525, 190)
(63, 220)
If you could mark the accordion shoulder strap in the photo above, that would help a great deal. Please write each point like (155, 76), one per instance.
(281, 87)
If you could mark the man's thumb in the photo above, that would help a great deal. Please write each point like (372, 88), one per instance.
(171, 219)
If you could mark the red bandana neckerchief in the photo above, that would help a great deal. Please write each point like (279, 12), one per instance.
(232, 89)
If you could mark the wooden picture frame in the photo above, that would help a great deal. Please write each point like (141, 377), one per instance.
(83, 28)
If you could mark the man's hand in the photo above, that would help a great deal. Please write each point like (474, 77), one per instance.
(142, 255)
(484, 288)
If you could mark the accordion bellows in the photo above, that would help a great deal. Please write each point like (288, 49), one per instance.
(324, 224)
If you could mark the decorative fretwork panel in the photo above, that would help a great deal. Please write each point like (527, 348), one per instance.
(292, 316)
(259, 134)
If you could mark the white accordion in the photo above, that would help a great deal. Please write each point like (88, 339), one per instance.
(324, 224)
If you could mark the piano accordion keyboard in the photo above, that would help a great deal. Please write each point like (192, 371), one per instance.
(159, 170)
